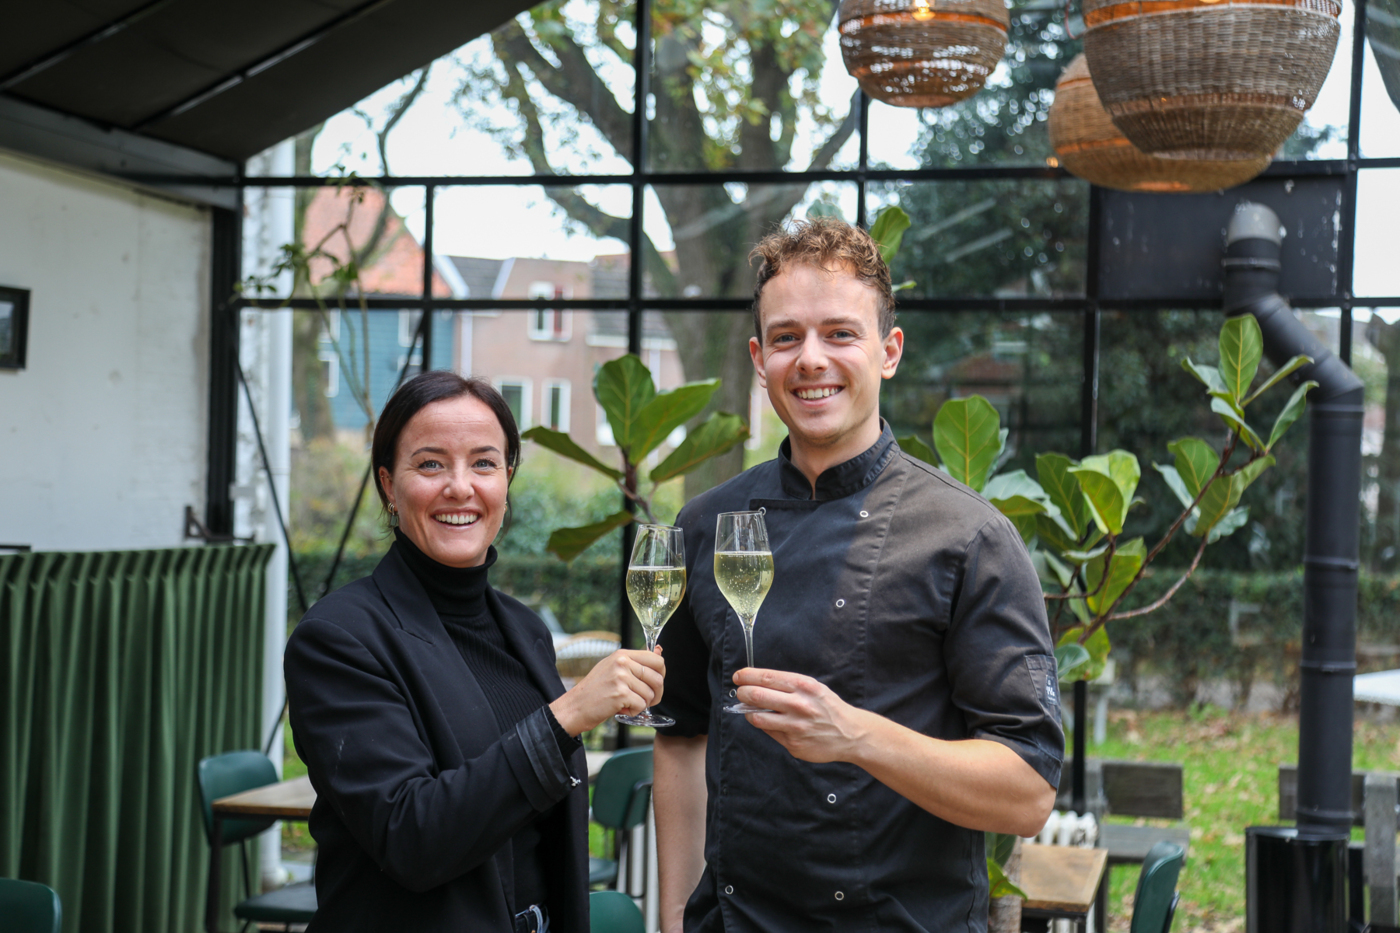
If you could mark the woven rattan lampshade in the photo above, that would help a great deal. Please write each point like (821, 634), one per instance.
(922, 53)
(1091, 147)
(1383, 29)
(1188, 79)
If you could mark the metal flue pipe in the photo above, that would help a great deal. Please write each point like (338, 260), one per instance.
(1331, 548)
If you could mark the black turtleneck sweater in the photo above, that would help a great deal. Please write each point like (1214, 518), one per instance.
(459, 596)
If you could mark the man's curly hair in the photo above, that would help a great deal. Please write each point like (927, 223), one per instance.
(827, 243)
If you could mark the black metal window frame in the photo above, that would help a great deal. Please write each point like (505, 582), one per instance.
(862, 176)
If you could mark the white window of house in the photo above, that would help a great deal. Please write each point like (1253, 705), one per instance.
(548, 323)
(408, 327)
(555, 411)
(330, 326)
(603, 433)
(516, 392)
(330, 373)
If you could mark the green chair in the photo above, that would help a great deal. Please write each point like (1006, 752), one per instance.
(29, 907)
(1156, 898)
(621, 794)
(614, 912)
(232, 773)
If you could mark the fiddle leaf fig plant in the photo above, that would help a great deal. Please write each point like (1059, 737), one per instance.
(641, 419)
(1073, 513)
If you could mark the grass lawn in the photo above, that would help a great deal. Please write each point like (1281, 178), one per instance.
(1230, 773)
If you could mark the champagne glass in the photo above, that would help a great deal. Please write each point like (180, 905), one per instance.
(655, 585)
(744, 572)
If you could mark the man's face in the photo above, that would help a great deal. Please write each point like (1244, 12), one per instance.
(822, 358)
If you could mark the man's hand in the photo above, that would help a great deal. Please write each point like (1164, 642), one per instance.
(808, 718)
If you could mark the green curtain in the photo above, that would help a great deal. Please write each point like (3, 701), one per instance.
(118, 672)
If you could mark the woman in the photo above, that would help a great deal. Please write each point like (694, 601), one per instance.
(451, 784)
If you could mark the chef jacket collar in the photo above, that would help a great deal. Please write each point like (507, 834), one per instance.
(843, 479)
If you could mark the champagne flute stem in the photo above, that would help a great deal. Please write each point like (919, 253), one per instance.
(748, 641)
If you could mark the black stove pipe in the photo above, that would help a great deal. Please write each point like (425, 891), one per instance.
(1331, 548)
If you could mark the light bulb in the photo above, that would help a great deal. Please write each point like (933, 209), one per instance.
(921, 9)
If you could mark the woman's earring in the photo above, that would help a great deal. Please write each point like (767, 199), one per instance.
(393, 515)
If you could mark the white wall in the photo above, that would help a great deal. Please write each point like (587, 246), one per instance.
(103, 434)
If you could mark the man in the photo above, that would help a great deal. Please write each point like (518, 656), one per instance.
(903, 650)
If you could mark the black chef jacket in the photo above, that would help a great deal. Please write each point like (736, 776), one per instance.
(908, 595)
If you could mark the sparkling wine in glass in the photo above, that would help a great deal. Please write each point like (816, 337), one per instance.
(744, 572)
(655, 585)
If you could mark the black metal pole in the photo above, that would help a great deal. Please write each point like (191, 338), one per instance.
(429, 194)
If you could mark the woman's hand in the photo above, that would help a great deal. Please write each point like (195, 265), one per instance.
(623, 682)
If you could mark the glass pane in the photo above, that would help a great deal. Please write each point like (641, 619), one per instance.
(1002, 238)
(755, 87)
(1375, 349)
(1028, 365)
(578, 235)
(1380, 84)
(550, 91)
(1003, 124)
(1146, 400)
(1323, 132)
(269, 224)
(1377, 193)
(702, 234)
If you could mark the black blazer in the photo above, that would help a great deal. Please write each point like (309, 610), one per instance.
(418, 793)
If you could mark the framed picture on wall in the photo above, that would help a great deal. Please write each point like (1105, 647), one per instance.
(14, 326)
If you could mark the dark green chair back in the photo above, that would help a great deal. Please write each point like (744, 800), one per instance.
(1155, 902)
(29, 907)
(614, 912)
(232, 773)
(618, 802)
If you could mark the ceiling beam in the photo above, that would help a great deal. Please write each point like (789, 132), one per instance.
(100, 34)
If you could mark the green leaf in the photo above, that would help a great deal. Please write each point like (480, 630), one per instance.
(1224, 494)
(711, 437)
(917, 449)
(1015, 483)
(1053, 532)
(1282, 373)
(1063, 490)
(967, 436)
(999, 847)
(1230, 413)
(1196, 462)
(666, 412)
(1096, 648)
(1121, 466)
(564, 445)
(1297, 402)
(1084, 555)
(888, 230)
(1104, 498)
(1175, 483)
(1022, 512)
(623, 387)
(999, 884)
(1120, 568)
(1209, 375)
(568, 543)
(1241, 347)
(1052, 570)
(1234, 520)
(1070, 658)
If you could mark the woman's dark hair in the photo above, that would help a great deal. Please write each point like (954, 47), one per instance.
(423, 390)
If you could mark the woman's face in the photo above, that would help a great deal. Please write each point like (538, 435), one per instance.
(449, 480)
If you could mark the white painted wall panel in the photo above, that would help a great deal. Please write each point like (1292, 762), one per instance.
(103, 435)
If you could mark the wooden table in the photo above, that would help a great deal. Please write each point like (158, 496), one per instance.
(288, 800)
(1060, 881)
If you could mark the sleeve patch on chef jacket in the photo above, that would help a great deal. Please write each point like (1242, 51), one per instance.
(1046, 683)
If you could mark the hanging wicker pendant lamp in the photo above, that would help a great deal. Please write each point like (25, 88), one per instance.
(1091, 147)
(922, 53)
(1194, 79)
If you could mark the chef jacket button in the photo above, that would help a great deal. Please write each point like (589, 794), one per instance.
(840, 895)
(729, 889)
(864, 514)
(830, 798)
(733, 692)
(840, 603)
